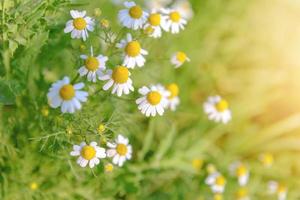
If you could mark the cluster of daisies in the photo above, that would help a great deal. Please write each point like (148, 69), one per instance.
(217, 110)
(154, 99)
(217, 181)
(91, 154)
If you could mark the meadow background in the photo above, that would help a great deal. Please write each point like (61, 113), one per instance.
(246, 51)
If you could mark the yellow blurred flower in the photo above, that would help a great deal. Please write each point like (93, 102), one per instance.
(82, 47)
(109, 168)
(197, 164)
(241, 171)
(217, 109)
(242, 194)
(267, 159)
(101, 128)
(179, 58)
(200, 198)
(216, 181)
(69, 130)
(104, 23)
(33, 186)
(97, 12)
(218, 197)
(45, 111)
(210, 168)
(279, 189)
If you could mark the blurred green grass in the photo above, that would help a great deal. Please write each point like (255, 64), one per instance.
(244, 50)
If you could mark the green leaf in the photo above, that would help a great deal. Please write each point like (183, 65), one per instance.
(20, 39)
(7, 97)
(8, 92)
(6, 5)
(166, 143)
(12, 47)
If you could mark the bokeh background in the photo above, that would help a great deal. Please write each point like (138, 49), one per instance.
(246, 51)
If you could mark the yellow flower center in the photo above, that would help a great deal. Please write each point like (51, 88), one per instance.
(175, 16)
(154, 98)
(101, 128)
(133, 48)
(173, 89)
(109, 167)
(218, 197)
(92, 63)
(120, 74)
(67, 92)
(88, 152)
(136, 12)
(181, 57)
(281, 188)
(79, 23)
(82, 47)
(121, 149)
(104, 23)
(222, 105)
(242, 192)
(197, 164)
(97, 12)
(69, 130)
(210, 168)
(267, 159)
(154, 19)
(220, 180)
(45, 111)
(33, 186)
(241, 171)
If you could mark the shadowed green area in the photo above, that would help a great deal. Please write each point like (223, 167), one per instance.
(245, 51)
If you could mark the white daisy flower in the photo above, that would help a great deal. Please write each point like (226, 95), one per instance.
(119, 79)
(79, 25)
(68, 96)
(133, 16)
(184, 7)
(216, 182)
(120, 150)
(88, 154)
(267, 159)
(93, 66)
(279, 189)
(153, 25)
(239, 170)
(173, 99)
(217, 109)
(173, 21)
(242, 194)
(179, 58)
(154, 100)
(134, 54)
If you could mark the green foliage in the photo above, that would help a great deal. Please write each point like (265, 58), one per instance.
(35, 140)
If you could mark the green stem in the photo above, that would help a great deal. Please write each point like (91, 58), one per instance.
(75, 78)
(115, 41)
(5, 53)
